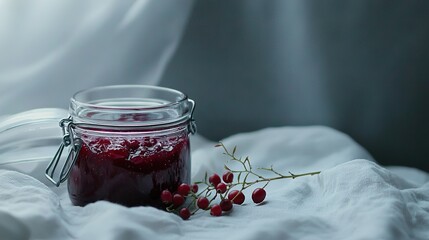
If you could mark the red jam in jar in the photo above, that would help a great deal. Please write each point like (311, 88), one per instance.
(131, 148)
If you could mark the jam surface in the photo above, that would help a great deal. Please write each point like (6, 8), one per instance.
(131, 170)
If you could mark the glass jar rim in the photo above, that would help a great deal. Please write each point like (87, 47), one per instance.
(76, 97)
(131, 106)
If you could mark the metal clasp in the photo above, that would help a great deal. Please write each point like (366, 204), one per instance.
(192, 125)
(68, 140)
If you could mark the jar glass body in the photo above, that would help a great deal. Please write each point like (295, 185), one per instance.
(131, 150)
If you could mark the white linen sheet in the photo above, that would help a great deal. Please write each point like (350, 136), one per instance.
(353, 197)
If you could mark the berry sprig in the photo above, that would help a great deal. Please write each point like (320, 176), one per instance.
(226, 189)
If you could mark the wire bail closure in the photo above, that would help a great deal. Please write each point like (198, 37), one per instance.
(192, 125)
(66, 125)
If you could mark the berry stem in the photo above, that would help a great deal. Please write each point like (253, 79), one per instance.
(246, 184)
(211, 192)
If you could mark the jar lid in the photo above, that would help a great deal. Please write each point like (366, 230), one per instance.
(28, 139)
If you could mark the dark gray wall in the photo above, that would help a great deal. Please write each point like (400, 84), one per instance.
(361, 67)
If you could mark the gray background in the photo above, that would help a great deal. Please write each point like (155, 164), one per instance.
(358, 66)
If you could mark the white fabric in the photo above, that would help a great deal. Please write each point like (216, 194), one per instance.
(51, 49)
(353, 198)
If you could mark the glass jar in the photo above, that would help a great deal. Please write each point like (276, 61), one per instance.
(127, 144)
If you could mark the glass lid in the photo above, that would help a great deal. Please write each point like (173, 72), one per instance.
(29, 139)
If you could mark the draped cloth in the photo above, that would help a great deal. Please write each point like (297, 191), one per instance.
(51, 49)
(352, 198)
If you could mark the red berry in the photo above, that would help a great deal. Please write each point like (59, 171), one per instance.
(178, 200)
(226, 205)
(214, 179)
(228, 177)
(194, 188)
(221, 188)
(132, 144)
(216, 210)
(183, 189)
(166, 197)
(258, 195)
(236, 197)
(203, 203)
(184, 213)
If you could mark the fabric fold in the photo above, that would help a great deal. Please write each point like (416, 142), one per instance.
(352, 198)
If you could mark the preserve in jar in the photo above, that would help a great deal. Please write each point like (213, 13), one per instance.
(127, 144)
